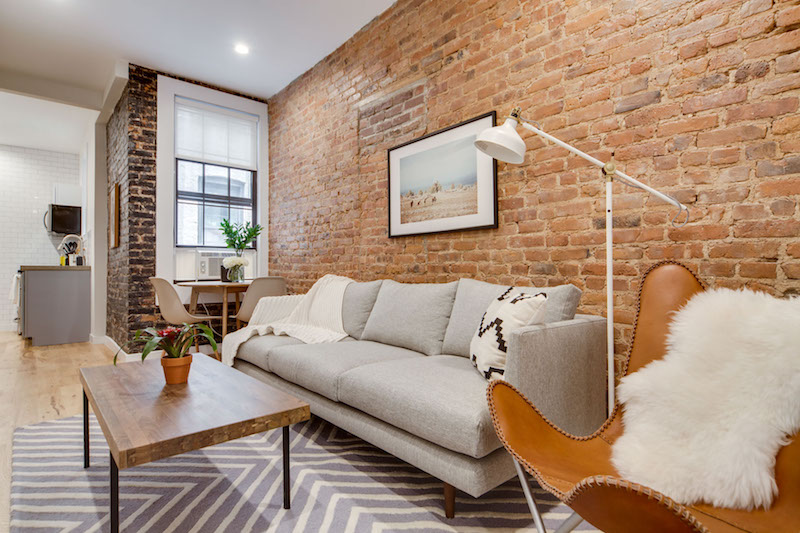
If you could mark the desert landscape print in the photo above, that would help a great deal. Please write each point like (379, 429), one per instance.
(439, 183)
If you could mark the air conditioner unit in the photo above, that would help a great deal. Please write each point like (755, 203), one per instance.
(208, 263)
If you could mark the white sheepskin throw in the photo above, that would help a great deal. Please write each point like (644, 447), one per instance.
(705, 423)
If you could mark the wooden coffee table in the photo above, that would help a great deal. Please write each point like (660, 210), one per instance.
(144, 420)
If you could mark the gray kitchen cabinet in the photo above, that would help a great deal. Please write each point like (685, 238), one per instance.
(55, 304)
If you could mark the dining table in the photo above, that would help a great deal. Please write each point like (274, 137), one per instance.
(224, 288)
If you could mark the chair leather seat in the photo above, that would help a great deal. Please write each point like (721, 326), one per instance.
(578, 470)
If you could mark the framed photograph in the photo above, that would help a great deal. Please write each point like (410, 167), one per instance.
(113, 216)
(441, 182)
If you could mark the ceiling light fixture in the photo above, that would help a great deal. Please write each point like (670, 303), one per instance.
(242, 49)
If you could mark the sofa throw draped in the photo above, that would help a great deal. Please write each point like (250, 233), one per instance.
(314, 317)
(705, 423)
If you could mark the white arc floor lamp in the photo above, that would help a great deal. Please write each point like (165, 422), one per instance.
(505, 144)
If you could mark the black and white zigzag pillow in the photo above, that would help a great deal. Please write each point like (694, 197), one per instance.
(510, 311)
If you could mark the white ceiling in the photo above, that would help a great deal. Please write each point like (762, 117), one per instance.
(78, 41)
(35, 123)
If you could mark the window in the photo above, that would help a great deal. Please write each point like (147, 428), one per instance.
(215, 171)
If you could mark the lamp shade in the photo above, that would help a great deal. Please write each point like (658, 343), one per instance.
(502, 142)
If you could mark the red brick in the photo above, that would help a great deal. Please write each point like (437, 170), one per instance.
(636, 101)
(687, 124)
(762, 110)
(767, 228)
(776, 44)
(744, 250)
(791, 270)
(749, 212)
(786, 187)
(693, 49)
(787, 63)
(731, 135)
(786, 125)
(725, 156)
(788, 17)
(723, 37)
(777, 85)
(587, 20)
(718, 99)
(758, 270)
(753, 7)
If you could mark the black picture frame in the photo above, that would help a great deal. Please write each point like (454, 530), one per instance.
(485, 184)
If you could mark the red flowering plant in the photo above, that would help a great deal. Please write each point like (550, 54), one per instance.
(174, 341)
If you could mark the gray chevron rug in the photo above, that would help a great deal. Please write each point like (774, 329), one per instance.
(339, 484)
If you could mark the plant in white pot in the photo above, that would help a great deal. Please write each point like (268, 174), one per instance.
(239, 237)
(235, 267)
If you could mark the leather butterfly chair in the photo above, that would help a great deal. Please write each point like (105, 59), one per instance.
(578, 470)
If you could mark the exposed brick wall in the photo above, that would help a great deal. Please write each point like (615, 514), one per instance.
(698, 99)
(131, 160)
(132, 163)
(117, 166)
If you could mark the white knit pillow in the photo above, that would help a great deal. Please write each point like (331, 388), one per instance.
(510, 311)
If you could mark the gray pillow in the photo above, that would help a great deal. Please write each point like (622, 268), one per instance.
(562, 302)
(473, 297)
(411, 315)
(357, 305)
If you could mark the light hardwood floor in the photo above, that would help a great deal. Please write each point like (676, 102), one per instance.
(37, 383)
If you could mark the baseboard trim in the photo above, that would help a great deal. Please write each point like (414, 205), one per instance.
(111, 344)
(125, 357)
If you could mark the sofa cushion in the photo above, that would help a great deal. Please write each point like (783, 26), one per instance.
(357, 305)
(411, 315)
(256, 350)
(438, 398)
(473, 297)
(317, 367)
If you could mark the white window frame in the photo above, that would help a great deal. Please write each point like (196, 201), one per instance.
(168, 89)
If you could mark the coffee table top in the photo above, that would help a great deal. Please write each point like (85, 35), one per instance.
(144, 420)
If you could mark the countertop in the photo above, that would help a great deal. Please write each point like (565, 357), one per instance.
(25, 268)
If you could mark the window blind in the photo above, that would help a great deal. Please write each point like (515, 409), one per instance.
(213, 134)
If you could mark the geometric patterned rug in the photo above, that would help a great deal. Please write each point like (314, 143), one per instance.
(339, 484)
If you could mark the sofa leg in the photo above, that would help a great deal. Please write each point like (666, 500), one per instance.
(449, 500)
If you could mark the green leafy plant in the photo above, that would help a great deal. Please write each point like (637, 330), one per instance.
(239, 236)
(174, 341)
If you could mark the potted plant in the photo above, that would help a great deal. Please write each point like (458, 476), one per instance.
(237, 236)
(235, 268)
(174, 344)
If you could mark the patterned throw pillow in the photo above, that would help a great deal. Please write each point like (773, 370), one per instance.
(512, 310)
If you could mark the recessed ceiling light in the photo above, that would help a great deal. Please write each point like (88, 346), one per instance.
(242, 49)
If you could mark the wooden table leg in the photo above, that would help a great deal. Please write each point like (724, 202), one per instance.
(224, 311)
(193, 302)
(238, 322)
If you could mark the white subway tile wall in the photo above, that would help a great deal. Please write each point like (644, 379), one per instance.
(27, 177)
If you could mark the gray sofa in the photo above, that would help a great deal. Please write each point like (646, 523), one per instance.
(404, 382)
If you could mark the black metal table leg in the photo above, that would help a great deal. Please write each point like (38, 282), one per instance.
(286, 486)
(114, 489)
(85, 431)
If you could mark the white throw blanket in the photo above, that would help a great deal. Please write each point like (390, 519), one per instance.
(705, 423)
(314, 317)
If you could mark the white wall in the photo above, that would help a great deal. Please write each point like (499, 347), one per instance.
(27, 177)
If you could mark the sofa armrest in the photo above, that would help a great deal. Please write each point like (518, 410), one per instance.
(561, 368)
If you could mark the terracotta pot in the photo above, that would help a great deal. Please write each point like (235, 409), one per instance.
(176, 371)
